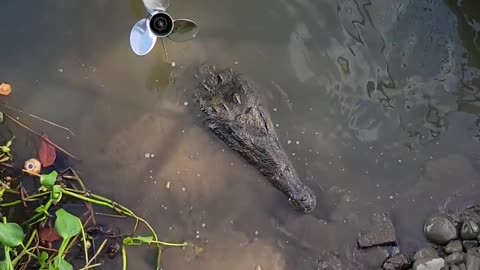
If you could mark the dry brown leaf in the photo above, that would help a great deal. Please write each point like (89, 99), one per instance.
(48, 234)
(5, 89)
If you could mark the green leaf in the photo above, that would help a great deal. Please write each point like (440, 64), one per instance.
(56, 193)
(48, 180)
(137, 241)
(11, 234)
(67, 225)
(4, 265)
(43, 257)
(9, 143)
(61, 264)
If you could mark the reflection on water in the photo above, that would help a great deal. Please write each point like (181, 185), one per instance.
(376, 102)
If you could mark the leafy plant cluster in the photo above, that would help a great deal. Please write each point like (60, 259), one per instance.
(22, 241)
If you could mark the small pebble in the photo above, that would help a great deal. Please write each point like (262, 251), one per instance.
(185, 103)
(289, 142)
(454, 246)
(184, 189)
(167, 186)
(468, 244)
(258, 267)
(469, 230)
(297, 142)
(425, 253)
(147, 155)
(455, 258)
(173, 64)
(204, 225)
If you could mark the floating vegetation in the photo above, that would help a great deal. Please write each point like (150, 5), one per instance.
(39, 224)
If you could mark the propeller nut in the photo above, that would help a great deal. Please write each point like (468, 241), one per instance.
(161, 24)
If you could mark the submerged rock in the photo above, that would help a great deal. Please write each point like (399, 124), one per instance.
(329, 261)
(382, 233)
(469, 230)
(456, 258)
(398, 262)
(454, 246)
(468, 244)
(473, 262)
(426, 253)
(439, 229)
(429, 264)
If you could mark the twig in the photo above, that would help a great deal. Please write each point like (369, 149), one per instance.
(39, 118)
(85, 248)
(110, 215)
(58, 147)
(48, 249)
(165, 50)
(96, 255)
(40, 135)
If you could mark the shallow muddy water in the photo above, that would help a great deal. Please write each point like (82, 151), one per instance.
(376, 103)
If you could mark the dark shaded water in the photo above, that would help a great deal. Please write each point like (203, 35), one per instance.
(376, 102)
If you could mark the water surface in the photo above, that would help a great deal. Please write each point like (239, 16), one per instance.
(376, 103)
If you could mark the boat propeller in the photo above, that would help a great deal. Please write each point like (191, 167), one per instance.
(159, 24)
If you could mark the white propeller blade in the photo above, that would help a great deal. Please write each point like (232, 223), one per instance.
(142, 39)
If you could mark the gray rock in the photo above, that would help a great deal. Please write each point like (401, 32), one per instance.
(462, 266)
(329, 261)
(382, 233)
(426, 253)
(454, 246)
(469, 230)
(398, 262)
(456, 258)
(369, 258)
(439, 229)
(429, 264)
(473, 262)
(468, 244)
(454, 267)
(474, 251)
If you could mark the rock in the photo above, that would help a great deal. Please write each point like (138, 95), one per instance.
(398, 262)
(473, 262)
(370, 258)
(474, 251)
(469, 230)
(454, 246)
(462, 266)
(426, 253)
(382, 233)
(468, 244)
(439, 229)
(456, 258)
(454, 267)
(429, 264)
(329, 261)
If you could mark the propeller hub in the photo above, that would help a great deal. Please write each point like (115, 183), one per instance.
(161, 24)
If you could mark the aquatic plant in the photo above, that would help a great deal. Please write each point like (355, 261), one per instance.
(28, 239)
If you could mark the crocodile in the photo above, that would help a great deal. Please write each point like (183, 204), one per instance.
(232, 109)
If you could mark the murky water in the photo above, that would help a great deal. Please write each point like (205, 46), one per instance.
(376, 102)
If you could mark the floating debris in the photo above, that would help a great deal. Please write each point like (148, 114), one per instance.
(33, 165)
